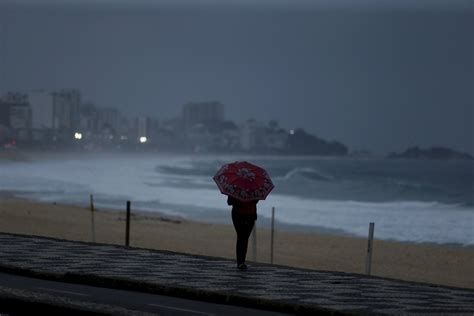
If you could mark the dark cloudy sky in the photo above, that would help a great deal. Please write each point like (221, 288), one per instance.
(378, 75)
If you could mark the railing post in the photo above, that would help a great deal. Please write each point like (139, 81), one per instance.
(92, 217)
(127, 226)
(368, 259)
(271, 241)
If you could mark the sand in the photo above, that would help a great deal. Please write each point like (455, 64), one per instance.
(444, 265)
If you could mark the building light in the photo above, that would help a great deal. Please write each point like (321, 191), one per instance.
(143, 139)
(78, 136)
(292, 132)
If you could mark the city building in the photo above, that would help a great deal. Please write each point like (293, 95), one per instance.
(14, 105)
(202, 113)
(108, 119)
(251, 135)
(88, 119)
(19, 114)
(41, 102)
(143, 127)
(275, 138)
(4, 112)
(66, 107)
(124, 128)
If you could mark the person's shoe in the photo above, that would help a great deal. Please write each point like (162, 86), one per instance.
(242, 267)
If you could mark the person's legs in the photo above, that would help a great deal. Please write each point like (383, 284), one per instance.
(238, 229)
(244, 240)
(243, 227)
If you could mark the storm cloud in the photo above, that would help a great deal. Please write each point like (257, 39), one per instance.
(374, 75)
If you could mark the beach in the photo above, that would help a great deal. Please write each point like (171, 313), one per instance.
(437, 264)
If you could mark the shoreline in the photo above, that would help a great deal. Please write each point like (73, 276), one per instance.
(436, 264)
(26, 155)
(262, 223)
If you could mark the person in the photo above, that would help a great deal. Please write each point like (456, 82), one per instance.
(244, 215)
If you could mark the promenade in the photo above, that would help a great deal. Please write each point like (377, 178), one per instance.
(265, 286)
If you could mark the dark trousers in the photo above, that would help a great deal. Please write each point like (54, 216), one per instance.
(243, 225)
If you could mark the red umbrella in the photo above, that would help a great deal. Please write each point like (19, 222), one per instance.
(243, 181)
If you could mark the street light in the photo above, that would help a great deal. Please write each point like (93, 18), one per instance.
(78, 136)
(143, 139)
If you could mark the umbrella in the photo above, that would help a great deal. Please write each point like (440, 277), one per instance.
(243, 181)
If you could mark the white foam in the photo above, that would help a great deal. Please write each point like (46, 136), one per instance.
(403, 221)
(129, 178)
(296, 171)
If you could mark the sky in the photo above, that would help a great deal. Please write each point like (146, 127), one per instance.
(375, 75)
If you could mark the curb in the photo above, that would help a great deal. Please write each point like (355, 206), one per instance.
(23, 306)
(207, 295)
(21, 302)
(185, 293)
(359, 275)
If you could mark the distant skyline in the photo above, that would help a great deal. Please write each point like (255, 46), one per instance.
(375, 76)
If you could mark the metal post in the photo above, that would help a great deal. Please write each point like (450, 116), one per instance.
(254, 239)
(368, 260)
(92, 217)
(127, 227)
(273, 228)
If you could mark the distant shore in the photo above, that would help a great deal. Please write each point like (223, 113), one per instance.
(24, 155)
(13, 156)
(444, 265)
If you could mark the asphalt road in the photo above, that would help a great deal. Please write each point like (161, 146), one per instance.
(136, 301)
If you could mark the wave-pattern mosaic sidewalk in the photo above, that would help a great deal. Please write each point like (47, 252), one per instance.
(216, 278)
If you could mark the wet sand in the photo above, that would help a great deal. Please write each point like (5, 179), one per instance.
(445, 265)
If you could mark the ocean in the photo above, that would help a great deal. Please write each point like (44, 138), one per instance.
(412, 201)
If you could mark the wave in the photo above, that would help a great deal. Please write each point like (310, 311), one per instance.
(336, 197)
(182, 171)
(308, 173)
(408, 221)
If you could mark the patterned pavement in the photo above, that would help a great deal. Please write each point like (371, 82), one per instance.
(217, 278)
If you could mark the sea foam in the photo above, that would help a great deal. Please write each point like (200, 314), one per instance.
(154, 184)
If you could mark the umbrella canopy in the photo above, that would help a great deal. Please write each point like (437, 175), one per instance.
(243, 181)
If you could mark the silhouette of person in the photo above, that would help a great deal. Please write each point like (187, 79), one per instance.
(244, 215)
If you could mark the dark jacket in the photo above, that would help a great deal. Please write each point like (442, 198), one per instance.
(243, 208)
